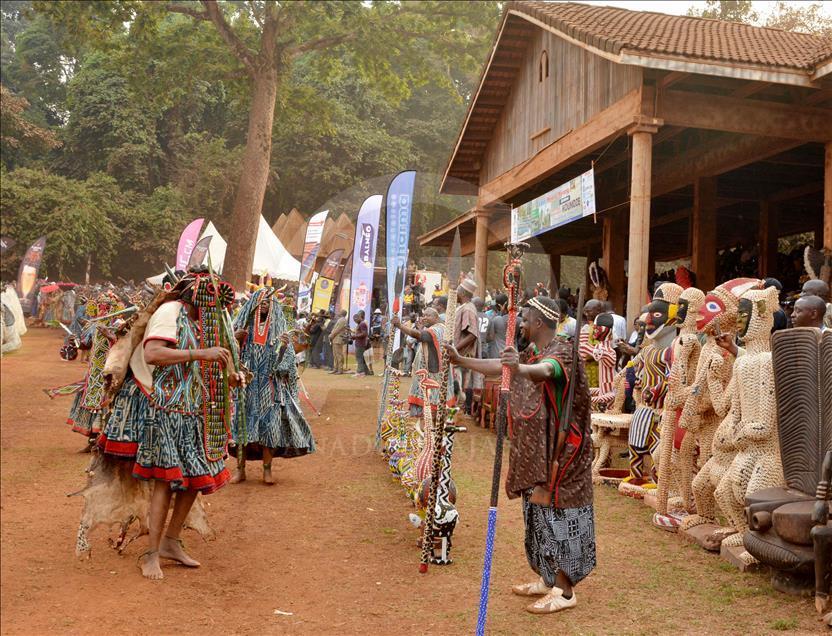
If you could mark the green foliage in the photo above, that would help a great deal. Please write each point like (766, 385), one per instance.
(731, 10)
(76, 217)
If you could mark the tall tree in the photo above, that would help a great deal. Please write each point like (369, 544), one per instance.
(395, 45)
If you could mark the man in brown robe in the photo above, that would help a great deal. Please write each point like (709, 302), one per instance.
(554, 479)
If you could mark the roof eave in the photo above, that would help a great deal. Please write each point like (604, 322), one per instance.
(824, 69)
(473, 102)
(774, 75)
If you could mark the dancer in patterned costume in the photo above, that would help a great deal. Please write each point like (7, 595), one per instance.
(274, 423)
(556, 491)
(183, 439)
(652, 369)
(85, 415)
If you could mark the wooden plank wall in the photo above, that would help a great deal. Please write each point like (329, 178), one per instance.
(579, 85)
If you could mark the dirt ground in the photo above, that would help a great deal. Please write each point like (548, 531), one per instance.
(331, 544)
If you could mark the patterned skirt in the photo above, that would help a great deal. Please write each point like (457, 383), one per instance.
(559, 539)
(277, 424)
(171, 449)
(128, 412)
(83, 419)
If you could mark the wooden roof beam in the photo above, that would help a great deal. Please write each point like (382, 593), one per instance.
(744, 116)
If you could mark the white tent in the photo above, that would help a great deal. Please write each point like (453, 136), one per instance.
(270, 257)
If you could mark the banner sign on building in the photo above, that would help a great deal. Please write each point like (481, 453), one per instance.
(187, 242)
(364, 256)
(314, 232)
(569, 202)
(27, 275)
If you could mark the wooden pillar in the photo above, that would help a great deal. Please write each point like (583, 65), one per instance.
(767, 239)
(827, 198)
(613, 252)
(639, 241)
(703, 227)
(481, 251)
(554, 279)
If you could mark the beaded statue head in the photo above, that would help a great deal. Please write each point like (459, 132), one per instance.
(690, 304)
(719, 308)
(755, 314)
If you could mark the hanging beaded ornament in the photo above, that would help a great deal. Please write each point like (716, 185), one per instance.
(211, 297)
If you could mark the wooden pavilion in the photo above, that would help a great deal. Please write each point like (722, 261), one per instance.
(702, 133)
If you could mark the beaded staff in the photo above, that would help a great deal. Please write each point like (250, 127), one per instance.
(398, 286)
(442, 409)
(511, 279)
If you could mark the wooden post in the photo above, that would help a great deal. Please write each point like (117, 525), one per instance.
(767, 238)
(639, 243)
(481, 251)
(554, 280)
(613, 252)
(827, 198)
(703, 227)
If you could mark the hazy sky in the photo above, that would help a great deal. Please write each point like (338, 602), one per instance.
(681, 7)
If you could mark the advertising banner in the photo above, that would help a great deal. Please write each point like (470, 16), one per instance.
(364, 257)
(399, 209)
(568, 202)
(323, 294)
(6, 244)
(343, 300)
(187, 242)
(314, 233)
(27, 275)
(199, 251)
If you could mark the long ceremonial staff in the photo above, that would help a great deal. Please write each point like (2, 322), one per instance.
(511, 280)
(442, 410)
(398, 286)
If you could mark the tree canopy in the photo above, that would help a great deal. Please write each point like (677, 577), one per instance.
(156, 101)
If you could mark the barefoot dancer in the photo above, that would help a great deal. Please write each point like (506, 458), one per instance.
(557, 505)
(275, 425)
(182, 442)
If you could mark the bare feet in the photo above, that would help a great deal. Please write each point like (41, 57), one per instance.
(173, 549)
(149, 564)
(239, 476)
(267, 475)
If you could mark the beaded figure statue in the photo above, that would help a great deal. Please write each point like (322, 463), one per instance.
(652, 368)
(675, 445)
(420, 468)
(387, 430)
(757, 464)
(709, 401)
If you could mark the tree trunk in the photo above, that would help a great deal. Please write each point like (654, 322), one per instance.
(254, 176)
(89, 269)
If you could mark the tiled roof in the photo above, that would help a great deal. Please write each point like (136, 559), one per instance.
(616, 30)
